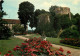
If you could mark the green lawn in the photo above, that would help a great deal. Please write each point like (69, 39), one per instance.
(57, 41)
(6, 45)
(54, 40)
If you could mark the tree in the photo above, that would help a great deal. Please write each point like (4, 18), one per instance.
(18, 28)
(65, 22)
(5, 32)
(36, 14)
(25, 12)
(77, 19)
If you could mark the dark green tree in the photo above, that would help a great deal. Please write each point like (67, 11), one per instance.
(36, 14)
(26, 12)
(5, 32)
(65, 22)
(77, 19)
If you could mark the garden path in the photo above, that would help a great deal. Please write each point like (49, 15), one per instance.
(74, 52)
(21, 37)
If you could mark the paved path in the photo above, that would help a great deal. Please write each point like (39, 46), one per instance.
(21, 37)
(74, 52)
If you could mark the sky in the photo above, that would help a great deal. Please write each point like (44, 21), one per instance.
(11, 6)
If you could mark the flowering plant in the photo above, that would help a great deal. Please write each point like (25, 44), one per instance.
(36, 47)
(71, 41)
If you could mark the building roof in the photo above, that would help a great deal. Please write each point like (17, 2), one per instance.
(12, 21)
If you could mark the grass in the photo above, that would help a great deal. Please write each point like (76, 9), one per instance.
(54, 40)
(6, 45)
(57, 42)
(32, 36)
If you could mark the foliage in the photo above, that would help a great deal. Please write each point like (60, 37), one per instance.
(26, 13)
(58, 21)
(71, 41)
(51, 34)
(65, 22)
(43, 24)
(36, 14)
(76, 21)
(18, 28)
(36, 47)
(51, 9)
(5, 32)
(70, 33)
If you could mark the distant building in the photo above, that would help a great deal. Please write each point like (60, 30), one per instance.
(61, 10)
(11, 22)
(43, 18)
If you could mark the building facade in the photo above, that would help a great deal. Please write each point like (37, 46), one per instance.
(11, 22)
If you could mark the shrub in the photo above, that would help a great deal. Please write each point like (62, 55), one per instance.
(71, 41)
(51, 34)
(36, 47)
(18, 28)
(5, 32)
(70, 33)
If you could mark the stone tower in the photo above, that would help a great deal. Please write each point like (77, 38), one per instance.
(62, 10)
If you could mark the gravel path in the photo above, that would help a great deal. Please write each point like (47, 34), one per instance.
(21, 37)
(74, 52)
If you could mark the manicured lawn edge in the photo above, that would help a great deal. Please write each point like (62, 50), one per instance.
(58, 43)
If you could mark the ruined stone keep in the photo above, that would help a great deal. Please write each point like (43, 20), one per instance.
(61, 10)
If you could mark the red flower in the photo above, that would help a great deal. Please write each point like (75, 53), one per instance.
(61, 49)
(15, 49)
(43, 42)
(57, 52)
(0, 52)
(9, 51)
(7, 54)
(66, 38)
(33, 54)
(68, 52)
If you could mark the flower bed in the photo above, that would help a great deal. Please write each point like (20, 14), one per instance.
(71, 41)
(36, 47)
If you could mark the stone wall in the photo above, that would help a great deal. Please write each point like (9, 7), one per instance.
(62, 10)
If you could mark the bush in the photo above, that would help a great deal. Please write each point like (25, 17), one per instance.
(70, 33)
(75, 28)
(36, 47)
(71, 41)
(51, 34)
(5, 32)
(18, 28)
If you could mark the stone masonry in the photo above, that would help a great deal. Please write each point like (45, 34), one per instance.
(62, 10)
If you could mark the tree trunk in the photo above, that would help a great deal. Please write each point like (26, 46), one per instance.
(59, 33)
(25, 27)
